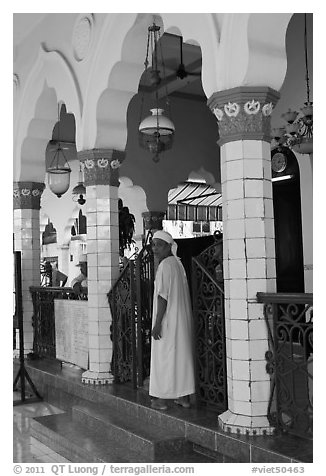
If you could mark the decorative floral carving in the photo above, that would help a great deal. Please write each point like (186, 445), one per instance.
(102, 163)
(82, 37)
(89, 164)
(232, 109)
(27, 195)
(252, 107)
(115, 164)
(218, 113)
(267, 109)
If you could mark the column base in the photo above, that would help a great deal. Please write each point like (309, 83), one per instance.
(97, 378)
(245, 425)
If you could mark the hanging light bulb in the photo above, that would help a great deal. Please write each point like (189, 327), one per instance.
(156, 131)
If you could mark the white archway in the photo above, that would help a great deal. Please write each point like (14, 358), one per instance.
(50, 82)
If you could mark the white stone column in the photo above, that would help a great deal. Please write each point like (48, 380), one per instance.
(27, 197)
(249, 251)
(101, 180)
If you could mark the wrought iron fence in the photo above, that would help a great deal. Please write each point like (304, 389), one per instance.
(289, 319)
(43, 319)
(145, 290)
(122, 301)
(209, 323)
(131, 305)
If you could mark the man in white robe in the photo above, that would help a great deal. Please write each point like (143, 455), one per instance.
(172, 362)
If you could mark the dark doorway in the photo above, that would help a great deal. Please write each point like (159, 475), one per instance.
(287, 221)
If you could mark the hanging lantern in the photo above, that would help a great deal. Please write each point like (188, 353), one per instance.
(156, 131)
(59, 171)
(79, 191)
(298, 131)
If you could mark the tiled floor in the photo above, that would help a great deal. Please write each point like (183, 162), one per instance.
(27, 449)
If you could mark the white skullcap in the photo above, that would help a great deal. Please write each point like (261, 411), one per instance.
(165, 236)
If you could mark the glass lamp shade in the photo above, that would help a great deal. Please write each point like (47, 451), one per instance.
(156, 123)
(59, 180)
(80, 189)
(78, 193)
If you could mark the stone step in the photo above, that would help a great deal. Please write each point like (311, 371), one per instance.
(146, 438)
(79, 443)
(73, 441)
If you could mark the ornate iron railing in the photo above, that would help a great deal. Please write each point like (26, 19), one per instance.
(122, 301)
(289, 319)
(209, 323)
(145, 290)
(43, 319)
(131, 306)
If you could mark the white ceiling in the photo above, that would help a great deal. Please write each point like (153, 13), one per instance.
(24, 23)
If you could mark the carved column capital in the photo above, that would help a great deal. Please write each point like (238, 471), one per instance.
(27, 195)
(244, 113)
(101, 166)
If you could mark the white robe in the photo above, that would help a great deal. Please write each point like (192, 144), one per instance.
(172, 361)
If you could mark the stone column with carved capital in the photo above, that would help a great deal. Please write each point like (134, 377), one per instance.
(101, 174)
(27, 198)
(243, 116)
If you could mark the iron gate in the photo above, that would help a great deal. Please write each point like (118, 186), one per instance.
(131, 306)
(289, 319)
(209, 325)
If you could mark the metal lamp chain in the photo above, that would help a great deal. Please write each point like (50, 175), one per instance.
(306, 57)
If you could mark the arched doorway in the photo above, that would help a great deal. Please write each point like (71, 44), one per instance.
(287, 221)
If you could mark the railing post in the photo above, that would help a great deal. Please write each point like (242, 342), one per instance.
(133, 325)
(112, 301)
(139, 321)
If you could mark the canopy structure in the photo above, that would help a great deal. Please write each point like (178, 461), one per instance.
(194, 201)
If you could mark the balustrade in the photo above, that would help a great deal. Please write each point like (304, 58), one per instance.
(289, 320)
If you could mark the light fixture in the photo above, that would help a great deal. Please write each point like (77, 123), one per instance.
(59, 170)
(282, 177)
(79, 191)
(156, 131)
(298, 132)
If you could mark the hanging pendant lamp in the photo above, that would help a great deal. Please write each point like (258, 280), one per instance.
(156, 131)
(59, 170)
(298, 131)
(79, 191)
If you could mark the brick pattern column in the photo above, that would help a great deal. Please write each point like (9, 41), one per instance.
(101, 180)
(249, 251)
(27, 197)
